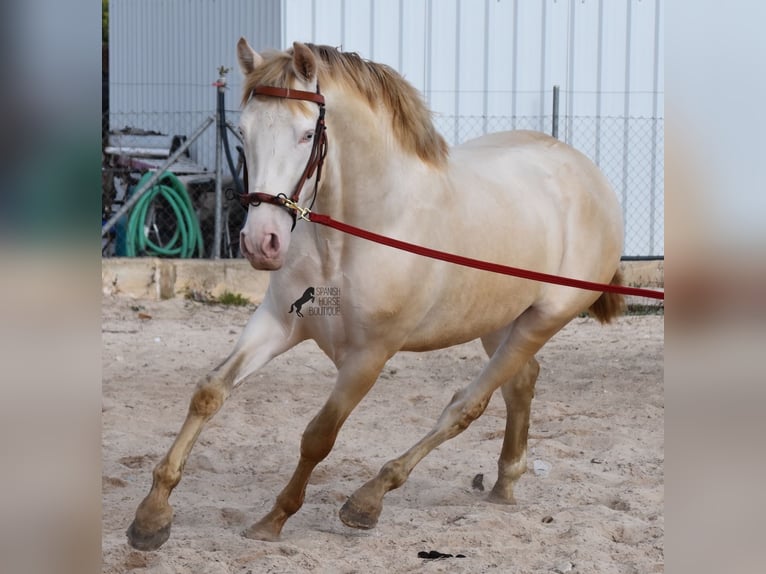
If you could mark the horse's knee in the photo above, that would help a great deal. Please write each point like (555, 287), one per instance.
(469, 412)
(214, 389)
(206, 401)
(211, 393)
(476, 410)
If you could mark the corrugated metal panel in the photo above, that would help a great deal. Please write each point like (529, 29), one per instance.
(164, 56)
(486, 65)
(593, 49)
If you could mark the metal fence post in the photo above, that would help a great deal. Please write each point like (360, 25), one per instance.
(220, 133)
(555, 122)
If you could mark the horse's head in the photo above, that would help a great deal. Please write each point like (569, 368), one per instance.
(279, 140)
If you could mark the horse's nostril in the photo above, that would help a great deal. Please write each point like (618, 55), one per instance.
(270, 244)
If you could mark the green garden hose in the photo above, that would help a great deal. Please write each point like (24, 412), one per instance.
(187, 235)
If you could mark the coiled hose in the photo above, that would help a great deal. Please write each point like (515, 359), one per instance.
(187, 235)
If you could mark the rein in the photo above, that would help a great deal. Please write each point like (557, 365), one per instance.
(328, 221)
(316, 159)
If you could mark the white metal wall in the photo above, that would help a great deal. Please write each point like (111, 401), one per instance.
(502, 57)
(488, 65)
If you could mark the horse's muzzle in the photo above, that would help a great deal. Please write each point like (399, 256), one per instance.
(265, 254)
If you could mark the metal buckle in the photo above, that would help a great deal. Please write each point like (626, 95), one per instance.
(301, 212)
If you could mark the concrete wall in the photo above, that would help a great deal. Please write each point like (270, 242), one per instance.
(150, 278)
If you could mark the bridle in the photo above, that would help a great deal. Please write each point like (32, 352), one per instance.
(316, 158)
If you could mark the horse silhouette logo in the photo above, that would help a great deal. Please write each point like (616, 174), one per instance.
(308, 295)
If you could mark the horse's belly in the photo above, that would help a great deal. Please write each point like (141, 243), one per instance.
(465, 314)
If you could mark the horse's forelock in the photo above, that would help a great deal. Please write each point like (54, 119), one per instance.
(377, 84)
(277, 71)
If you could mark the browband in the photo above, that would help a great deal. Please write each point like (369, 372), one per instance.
(289, 94)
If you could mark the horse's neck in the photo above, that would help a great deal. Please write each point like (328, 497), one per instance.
(370, 180)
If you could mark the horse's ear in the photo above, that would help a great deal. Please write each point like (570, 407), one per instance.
(304, 62)
(248, 58)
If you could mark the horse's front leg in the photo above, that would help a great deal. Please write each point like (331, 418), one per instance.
(263, 338)
(356, 376)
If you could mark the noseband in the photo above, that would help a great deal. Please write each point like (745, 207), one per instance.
(316, 159)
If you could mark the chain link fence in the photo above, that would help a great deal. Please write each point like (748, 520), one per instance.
(629, 151)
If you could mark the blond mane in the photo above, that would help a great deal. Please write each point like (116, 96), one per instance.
(378, 84)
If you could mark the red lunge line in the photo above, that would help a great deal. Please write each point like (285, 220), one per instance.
(477, 264)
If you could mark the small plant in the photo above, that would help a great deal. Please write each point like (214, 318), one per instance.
(635, 309)
(226, 298)
(644, 309)
(233, 299)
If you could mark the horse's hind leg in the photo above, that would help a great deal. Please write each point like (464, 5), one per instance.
(259, 342)
(517, 393)
(516, 349)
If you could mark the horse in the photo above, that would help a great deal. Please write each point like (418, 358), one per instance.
(308, 295)
(517, 198)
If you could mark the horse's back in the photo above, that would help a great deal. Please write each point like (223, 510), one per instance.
(524, 150)
(563, 214)
(513, 138)
(531, 166)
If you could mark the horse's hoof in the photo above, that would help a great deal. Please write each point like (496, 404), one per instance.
(356, 516)
(261, 532)
(145, 540)
(500, 496)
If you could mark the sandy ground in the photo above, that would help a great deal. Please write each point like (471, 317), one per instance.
(591, 501)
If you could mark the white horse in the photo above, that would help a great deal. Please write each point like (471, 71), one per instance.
(515, 198)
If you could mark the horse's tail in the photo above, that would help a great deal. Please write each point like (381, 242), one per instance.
(609, 305)
(291, 308)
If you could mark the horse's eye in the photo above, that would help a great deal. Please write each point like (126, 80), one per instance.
(308, 136)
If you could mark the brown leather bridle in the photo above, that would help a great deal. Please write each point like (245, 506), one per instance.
(316, 158)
